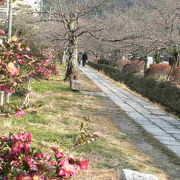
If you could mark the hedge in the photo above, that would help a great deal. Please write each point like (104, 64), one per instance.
(111, 63)
(162, 92)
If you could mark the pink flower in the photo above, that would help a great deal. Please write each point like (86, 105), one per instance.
(20, 113)
(40, 70)
(32, 74)
(67, 170)
(23, 137)
(51, 57)
(28, 49)
(6, 89)
(97, 134)
(2, 64)
(58, 154)
(84, 165)
(32, 163)
(45, 156)
(45, 63)
(26, 56)
(13, 70)
(2, 32)
(18, 56)
(20, 49)
(7, 56)
(19, 45)
(57, 73)
(4, 139)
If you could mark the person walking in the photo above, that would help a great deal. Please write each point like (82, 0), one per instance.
(84, 58)
(79, 58)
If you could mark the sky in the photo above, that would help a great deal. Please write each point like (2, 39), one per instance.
(30, 2)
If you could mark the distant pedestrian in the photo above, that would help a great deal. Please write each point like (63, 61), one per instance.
(79, 58)
(84, 58)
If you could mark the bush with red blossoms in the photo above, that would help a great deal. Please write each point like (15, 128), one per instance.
(18, 160)
(19, 68)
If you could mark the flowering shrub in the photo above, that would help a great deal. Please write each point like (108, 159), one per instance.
(19, 68)
(158, 71)
(135, 66)
(18, 160)
(121, 63)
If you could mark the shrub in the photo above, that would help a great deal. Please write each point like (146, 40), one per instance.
(121, 63)
(175, 75)
(162, 92)
(20, 161)
(158, 71)
(134, 67)
(107, 62)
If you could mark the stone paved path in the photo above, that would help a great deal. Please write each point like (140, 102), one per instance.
(154, 120)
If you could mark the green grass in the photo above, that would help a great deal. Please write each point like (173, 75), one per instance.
(44, 86)
(30, 119)
(64, 98)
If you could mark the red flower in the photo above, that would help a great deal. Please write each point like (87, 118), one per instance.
(84, 165)
(6, 89)
(18, 56)
(20, 113)
(22, 61)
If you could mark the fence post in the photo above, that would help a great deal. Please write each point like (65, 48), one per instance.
(2, 98)
(6, 97)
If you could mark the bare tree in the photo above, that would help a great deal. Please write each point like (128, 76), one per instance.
(71, 22)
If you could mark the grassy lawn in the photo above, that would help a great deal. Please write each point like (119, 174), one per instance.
(58, 121)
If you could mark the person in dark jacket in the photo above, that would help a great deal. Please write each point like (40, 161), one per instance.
(84, 59)
(79, 58)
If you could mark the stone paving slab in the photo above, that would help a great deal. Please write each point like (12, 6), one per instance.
(157, 122)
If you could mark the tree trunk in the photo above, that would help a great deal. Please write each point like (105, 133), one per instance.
(72, 67)
(71, 72)
(65, 57)
(177, 63)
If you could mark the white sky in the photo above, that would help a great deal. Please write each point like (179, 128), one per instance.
(30, 2)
